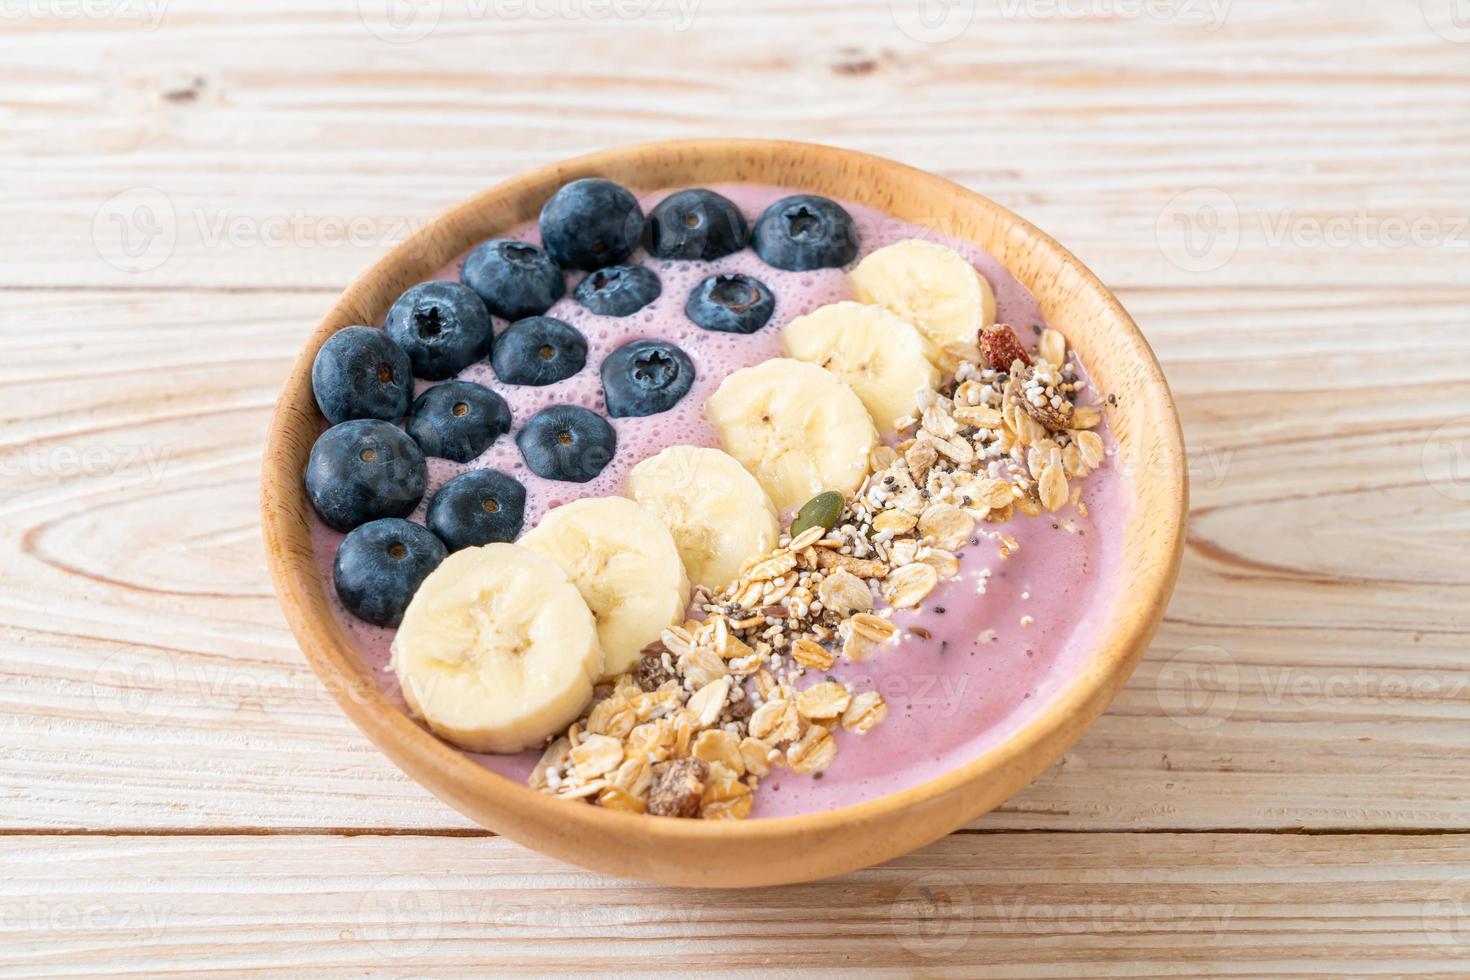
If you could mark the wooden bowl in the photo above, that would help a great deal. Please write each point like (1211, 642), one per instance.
(783, 849)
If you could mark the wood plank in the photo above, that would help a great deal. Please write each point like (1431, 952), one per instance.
(150, 682)
(1334, 130)
(994, 905)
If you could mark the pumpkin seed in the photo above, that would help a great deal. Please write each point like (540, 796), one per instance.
(823, 510)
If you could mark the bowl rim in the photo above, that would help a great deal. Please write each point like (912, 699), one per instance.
(415, 750)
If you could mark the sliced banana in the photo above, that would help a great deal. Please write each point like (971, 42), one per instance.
(717, 512)
(627, 567)
(497, 650)
(878, 353)
(798, 429)
(930, 285)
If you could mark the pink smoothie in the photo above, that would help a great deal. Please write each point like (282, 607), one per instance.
(1013, 632)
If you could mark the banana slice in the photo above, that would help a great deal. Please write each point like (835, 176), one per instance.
(717, 512)
(796, 427)
(497, 650)
(880, 355)
(627, 567)
(931, 286)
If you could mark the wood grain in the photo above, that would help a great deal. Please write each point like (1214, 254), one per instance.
(1007, 905)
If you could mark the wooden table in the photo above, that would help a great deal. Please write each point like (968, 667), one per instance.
(1282, 199)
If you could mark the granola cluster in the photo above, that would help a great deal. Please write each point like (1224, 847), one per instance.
(713, 706)
(720, 700)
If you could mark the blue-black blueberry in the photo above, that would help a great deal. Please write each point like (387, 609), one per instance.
(645, 377)
(731, 303)
(695, 224)
(362, 470)
(591, 223)
(477, 508)
(359, 373)
(619, 290)
(539, 350)
(514, 279)
(805, 232)
(458, 420)
(567, 442)
(443, 326)
(381, 564)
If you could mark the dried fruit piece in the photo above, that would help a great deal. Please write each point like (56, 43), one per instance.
(1000, 346)
(651, 673)
(678, 788)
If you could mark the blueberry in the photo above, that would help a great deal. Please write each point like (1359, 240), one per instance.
(731, 303)
(620, 290)
(362, 470)
(458, 420)
(645, 377)
(695, 224)
(443, 326)
(514, 279)
(477, 508)
(591, 223)
(567, 442)
(381, 565)
(539, 350)
(806, 232)
(360, 374)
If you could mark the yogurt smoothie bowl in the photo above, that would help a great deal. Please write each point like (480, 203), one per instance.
(718, 502)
